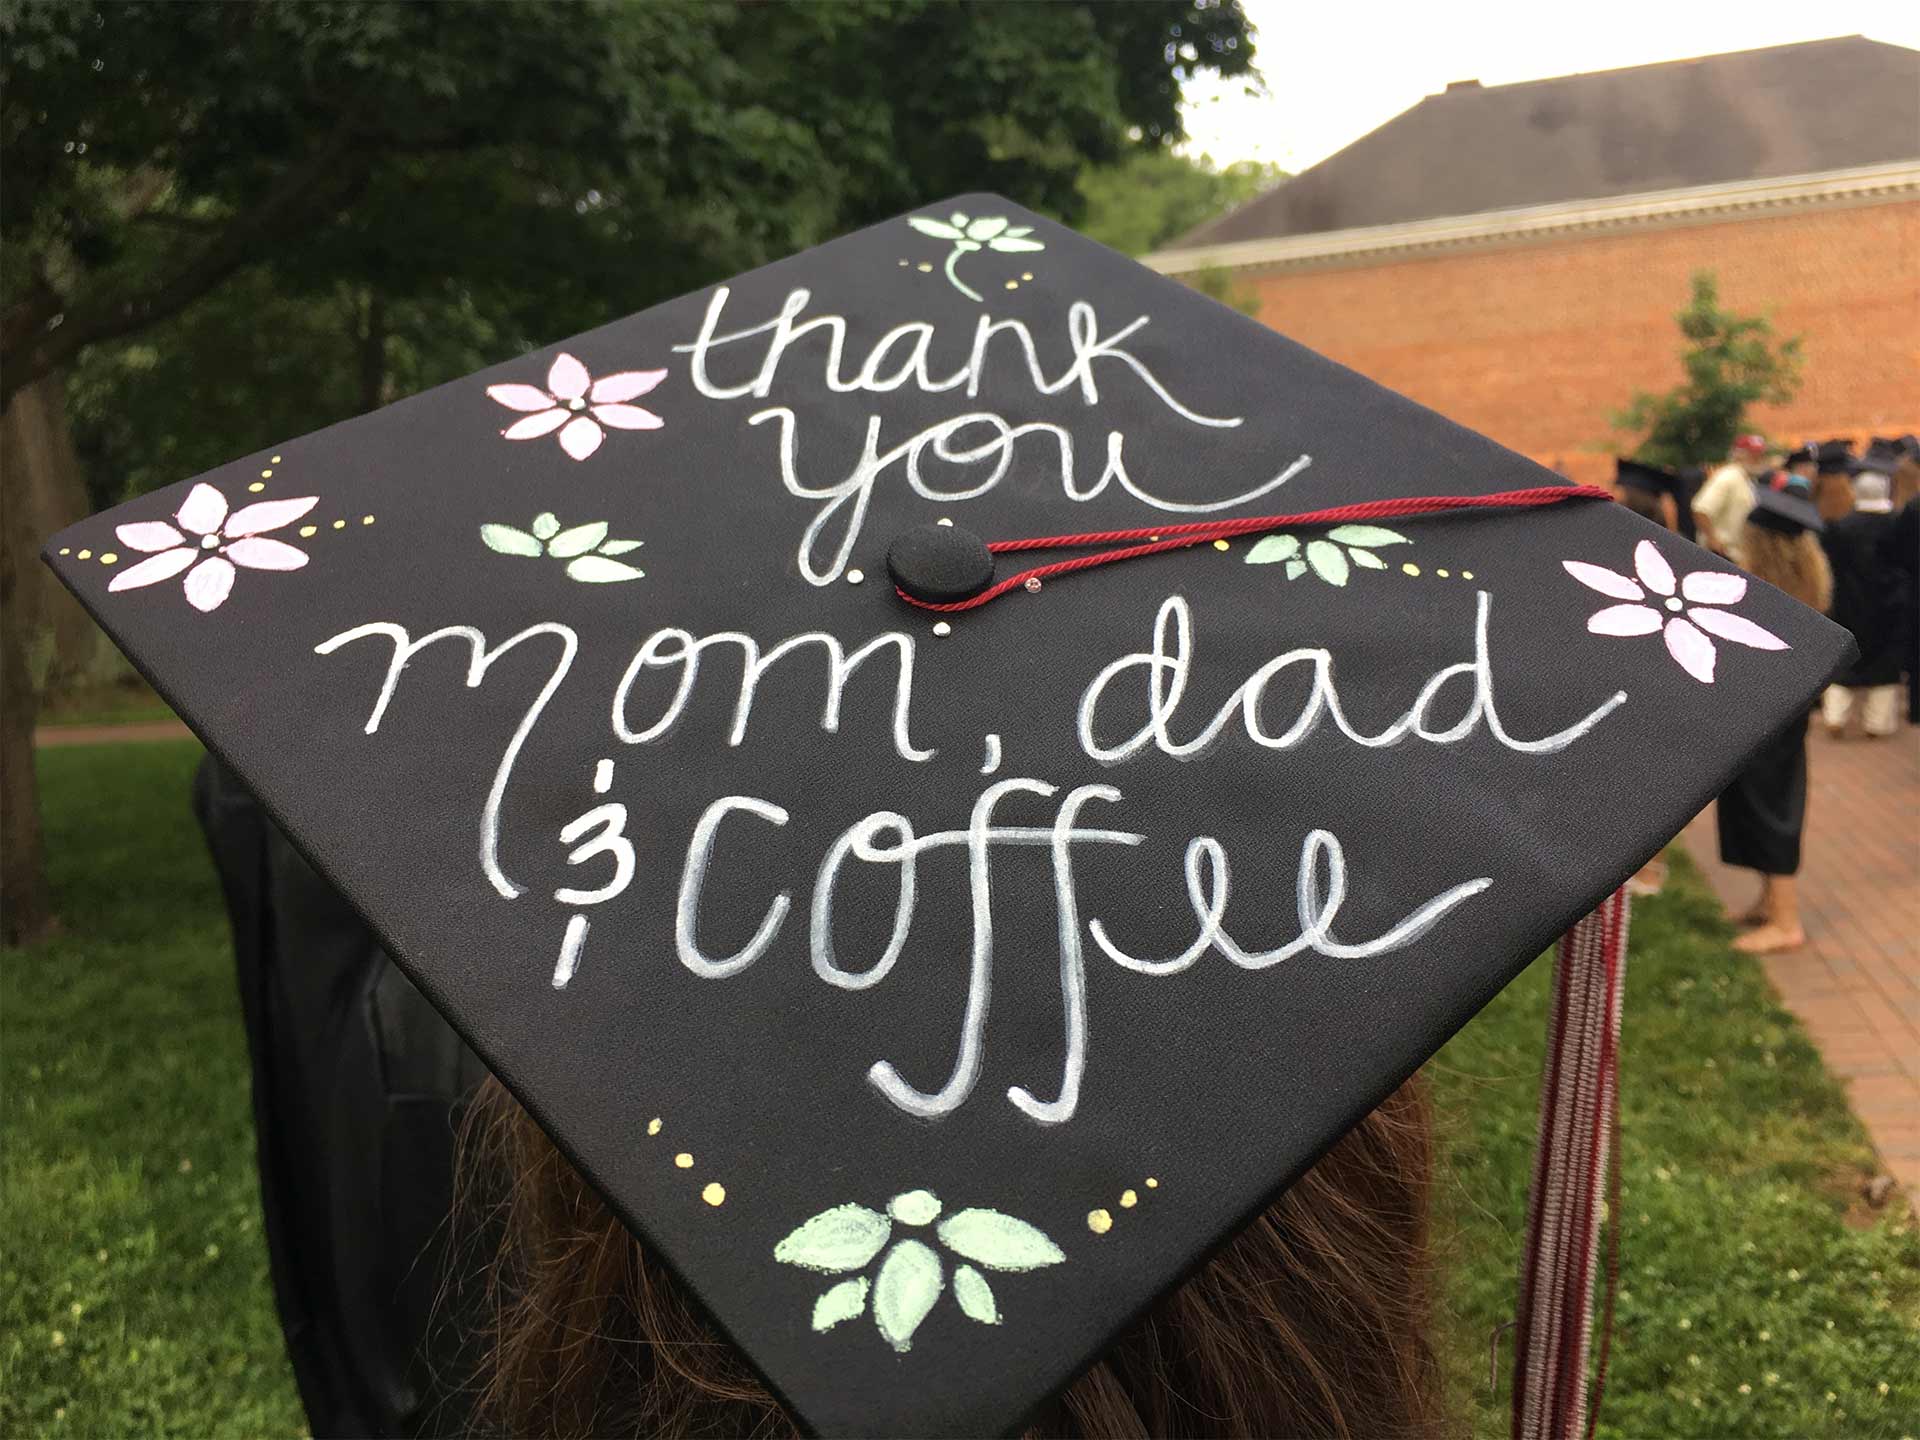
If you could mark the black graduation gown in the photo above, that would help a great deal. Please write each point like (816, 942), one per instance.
(1900, 553)
(1762, 813)
(357, 1083)
(1866, 596)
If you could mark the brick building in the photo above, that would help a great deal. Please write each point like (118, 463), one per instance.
(1513, 255)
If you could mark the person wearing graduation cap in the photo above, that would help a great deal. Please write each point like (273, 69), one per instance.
(1834, 469)
(1647, 490)
(1720, 505)
(1762, 814)
(953, 815)
(1804, 460)
(1868, 597)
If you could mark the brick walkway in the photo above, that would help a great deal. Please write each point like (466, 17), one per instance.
(1856, 982)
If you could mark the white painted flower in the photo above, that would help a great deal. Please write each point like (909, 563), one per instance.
(577, 405)
(215, 542)
(1685, 613)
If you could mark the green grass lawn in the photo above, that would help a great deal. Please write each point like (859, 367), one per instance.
(128, 701)
(1759, 1297)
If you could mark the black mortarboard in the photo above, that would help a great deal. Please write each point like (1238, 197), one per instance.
(1650, 478)
(1909, 446)
(934, 990)
(1836, 458)
(1784, 502)
(1883, 456)
(1805, 453)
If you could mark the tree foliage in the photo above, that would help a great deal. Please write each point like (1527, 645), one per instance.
(543, 166)
(1153, 197)
(1730, 363)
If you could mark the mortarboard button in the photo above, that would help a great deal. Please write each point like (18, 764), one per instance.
(939, 564)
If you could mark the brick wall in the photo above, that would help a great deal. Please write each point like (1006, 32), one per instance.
(1537, 344)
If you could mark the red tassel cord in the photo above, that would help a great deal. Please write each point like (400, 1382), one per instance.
(1180, 537)
(1576, 1158)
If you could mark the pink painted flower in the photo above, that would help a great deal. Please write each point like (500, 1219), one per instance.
(1685, 614)
(219, 541)
(577, 405)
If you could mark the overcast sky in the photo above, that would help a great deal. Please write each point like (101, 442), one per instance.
(1334, 71)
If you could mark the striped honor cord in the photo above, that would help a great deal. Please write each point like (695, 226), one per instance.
(1576, 1155)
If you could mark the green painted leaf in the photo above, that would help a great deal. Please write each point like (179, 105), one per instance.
(998, 1241)
(577, 541)
(1269, 548)
(620, 547)
(904, 1291)
(1365, 559)
(598, 570)
(1366, 535)
(837, 1240)
(958, 219)
(986, 227)
(1013, 243)
(939, 229)
(970, 1288)
(509, 541)
(1295, 569)
(1328, 560)
(916, 1207)
(546, 525)
(1016, 231)
(843, 1302)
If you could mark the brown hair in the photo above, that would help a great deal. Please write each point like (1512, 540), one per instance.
(1906, 481)
(1794, 563)
(1313, 1320)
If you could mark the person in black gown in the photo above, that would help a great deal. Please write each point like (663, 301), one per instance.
(1867, 600)
(357, 1088)
(1762, 813)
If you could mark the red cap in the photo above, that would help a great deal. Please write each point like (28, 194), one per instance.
(1750, 445)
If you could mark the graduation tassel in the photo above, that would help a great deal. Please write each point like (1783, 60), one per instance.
(1579, 1100)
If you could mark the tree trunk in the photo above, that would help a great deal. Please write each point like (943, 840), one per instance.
(373, 354)
(43, 492)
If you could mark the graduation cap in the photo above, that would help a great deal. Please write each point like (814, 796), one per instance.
(1784, 502)
(936, 966)
(1836, 458)
(1650, 479)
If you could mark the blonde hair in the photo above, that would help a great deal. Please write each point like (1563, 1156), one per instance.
(1794, 563)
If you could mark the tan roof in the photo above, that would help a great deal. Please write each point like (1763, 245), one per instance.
(1752, 114)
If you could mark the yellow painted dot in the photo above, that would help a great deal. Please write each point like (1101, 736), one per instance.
(924, 268)
(276, 459)
(1220, 545)
(1013, 284)
(1442, 573)
(66, 549)
(1026, 274)
(266, 474)
(1466, 574)
(1152, 1184)
(309, 531)
(1128, 1199)
(714, 1194)
(109, 558)
(86, 554)
(257, 486)
(905, 263)
(1099, 1221)
(366, 519)
(1409, 569)
(339, 524)
(653, 1126)
(683, 1160)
